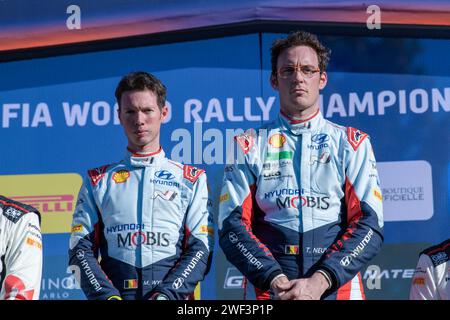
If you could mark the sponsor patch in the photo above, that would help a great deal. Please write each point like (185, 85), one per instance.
(164, 174)
(324, 157)
(121, 176)
(280, 155)
(377, 194)
(224, 197)
(34, 243)
(204, 229)
(355, 137)
(168, 195)
(277, 140)
(97, 174)
(439, 258)
(246, 141)
(192, 173)
(77, 228)
(292, 249)
(13, 210)
(419, 281)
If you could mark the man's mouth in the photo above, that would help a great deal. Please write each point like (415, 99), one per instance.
(299, 90)
(140, 132)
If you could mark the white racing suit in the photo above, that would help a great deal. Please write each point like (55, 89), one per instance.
(302, 196)
(20, 251)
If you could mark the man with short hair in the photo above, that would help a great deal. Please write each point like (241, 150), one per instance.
(301, 214)
(20, 251)
(147, 216)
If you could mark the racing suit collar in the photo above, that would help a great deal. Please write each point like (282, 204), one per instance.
(144, 159)
(298, 127)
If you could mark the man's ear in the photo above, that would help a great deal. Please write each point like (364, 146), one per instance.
(164, 113)
(274, 81)
(119, 115)
(323, 80)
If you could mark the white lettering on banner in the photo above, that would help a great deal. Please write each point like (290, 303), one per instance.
(41, 115)
(361, 106)
(102, 113)
(388, 274)
(417, 101)
(336, 105)
(214, 110)
(77, 114)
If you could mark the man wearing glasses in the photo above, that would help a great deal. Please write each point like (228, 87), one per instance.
(301, 208)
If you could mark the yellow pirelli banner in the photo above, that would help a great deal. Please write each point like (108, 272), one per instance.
(54, 195)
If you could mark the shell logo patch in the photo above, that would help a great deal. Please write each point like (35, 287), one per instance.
(277, 140)
(121, 176)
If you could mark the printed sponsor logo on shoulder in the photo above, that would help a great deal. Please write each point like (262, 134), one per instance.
(34, 243)
(97, 174)
(204, 229)
(192, 173)
(377, 194)
(439, 258)
(246, 141)
(224, 197)
(77, 228)
(355, 137)
(12, 214)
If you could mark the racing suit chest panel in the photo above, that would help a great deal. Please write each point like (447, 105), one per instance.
(300, 191)
(143, 212)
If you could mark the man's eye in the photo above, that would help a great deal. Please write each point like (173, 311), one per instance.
(287, 71)
(129, 111)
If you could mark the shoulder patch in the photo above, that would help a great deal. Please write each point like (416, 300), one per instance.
(14, 210)
(97, 174)
(355, 137)
(246, 140)
(439, 254)
(191, 173)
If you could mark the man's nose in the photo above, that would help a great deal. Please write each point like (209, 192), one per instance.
(298, 75)
(139, 119)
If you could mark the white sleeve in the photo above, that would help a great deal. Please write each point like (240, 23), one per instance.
(23, 259)
(423, 286)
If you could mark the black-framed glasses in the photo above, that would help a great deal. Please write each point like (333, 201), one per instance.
(307, 71)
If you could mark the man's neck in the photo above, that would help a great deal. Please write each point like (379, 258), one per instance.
(300, 114)
(144, 149)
